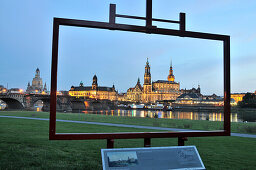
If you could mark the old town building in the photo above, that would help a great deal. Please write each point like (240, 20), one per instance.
(94, 91)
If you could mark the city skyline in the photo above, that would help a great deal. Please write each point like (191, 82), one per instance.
(85, 52)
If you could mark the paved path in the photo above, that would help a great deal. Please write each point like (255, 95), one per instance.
(129, 126)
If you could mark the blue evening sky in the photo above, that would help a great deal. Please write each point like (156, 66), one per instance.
(119, 57)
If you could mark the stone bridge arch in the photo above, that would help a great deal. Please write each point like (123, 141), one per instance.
(31, 99)
(63, 102)
(13, 101)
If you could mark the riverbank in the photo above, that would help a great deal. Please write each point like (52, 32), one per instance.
(236, 127)
(24, 144)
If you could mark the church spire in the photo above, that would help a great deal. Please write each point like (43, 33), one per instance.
(171, 76)
(45, 88)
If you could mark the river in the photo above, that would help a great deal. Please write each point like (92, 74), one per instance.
(242, 115)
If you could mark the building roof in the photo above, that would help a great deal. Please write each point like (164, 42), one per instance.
(165, 81)
(191, 95)
(139, 86)
(14, 89)
(88, 88)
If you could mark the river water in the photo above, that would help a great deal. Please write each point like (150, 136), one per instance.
(236, 116)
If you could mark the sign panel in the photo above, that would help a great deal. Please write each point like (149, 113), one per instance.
(154, 158)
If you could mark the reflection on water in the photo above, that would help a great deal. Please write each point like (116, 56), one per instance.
(211, 116)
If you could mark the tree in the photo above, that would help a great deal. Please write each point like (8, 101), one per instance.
(249, 100)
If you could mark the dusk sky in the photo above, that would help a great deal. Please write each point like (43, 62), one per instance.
(119, 57)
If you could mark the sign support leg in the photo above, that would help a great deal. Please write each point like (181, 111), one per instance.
(181, 141)
(147, 142)
(110, 143)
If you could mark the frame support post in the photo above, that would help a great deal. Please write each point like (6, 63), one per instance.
(147, 142)
(149, 13)
(112, 13)
(182, 21)
(181, 141)
(55, 45)
(226, 47)
(110, 143)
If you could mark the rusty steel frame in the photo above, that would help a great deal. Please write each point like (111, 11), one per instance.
(111, 25)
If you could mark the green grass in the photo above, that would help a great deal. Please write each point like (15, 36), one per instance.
(236, 127)
(24, 144)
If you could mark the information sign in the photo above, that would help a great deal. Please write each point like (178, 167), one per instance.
(154, 158)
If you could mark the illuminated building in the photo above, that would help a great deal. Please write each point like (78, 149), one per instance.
(237, 96)
(122, 97)
(37, 84)
(160, 89)
(188, 98)
(3, 89)
(94, 91)
(134, 94)
(197, 100)
(154, 91)
(15, 90)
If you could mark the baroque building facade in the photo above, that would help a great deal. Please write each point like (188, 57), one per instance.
(135, 94)
(94, 91)
(152, 92)
(237, 96)
(37, 84)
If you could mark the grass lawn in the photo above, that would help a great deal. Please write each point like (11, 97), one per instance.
(24, 144)
(236, 127)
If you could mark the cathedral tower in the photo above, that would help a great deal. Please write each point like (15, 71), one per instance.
(147, 75)
(171, 76)
(94, 83)
(147, 87)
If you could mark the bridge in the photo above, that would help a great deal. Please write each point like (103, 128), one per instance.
(65, 103)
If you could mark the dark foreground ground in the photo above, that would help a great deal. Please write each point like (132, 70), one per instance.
(24, 144)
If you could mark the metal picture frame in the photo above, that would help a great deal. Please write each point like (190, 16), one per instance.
(148, 29)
